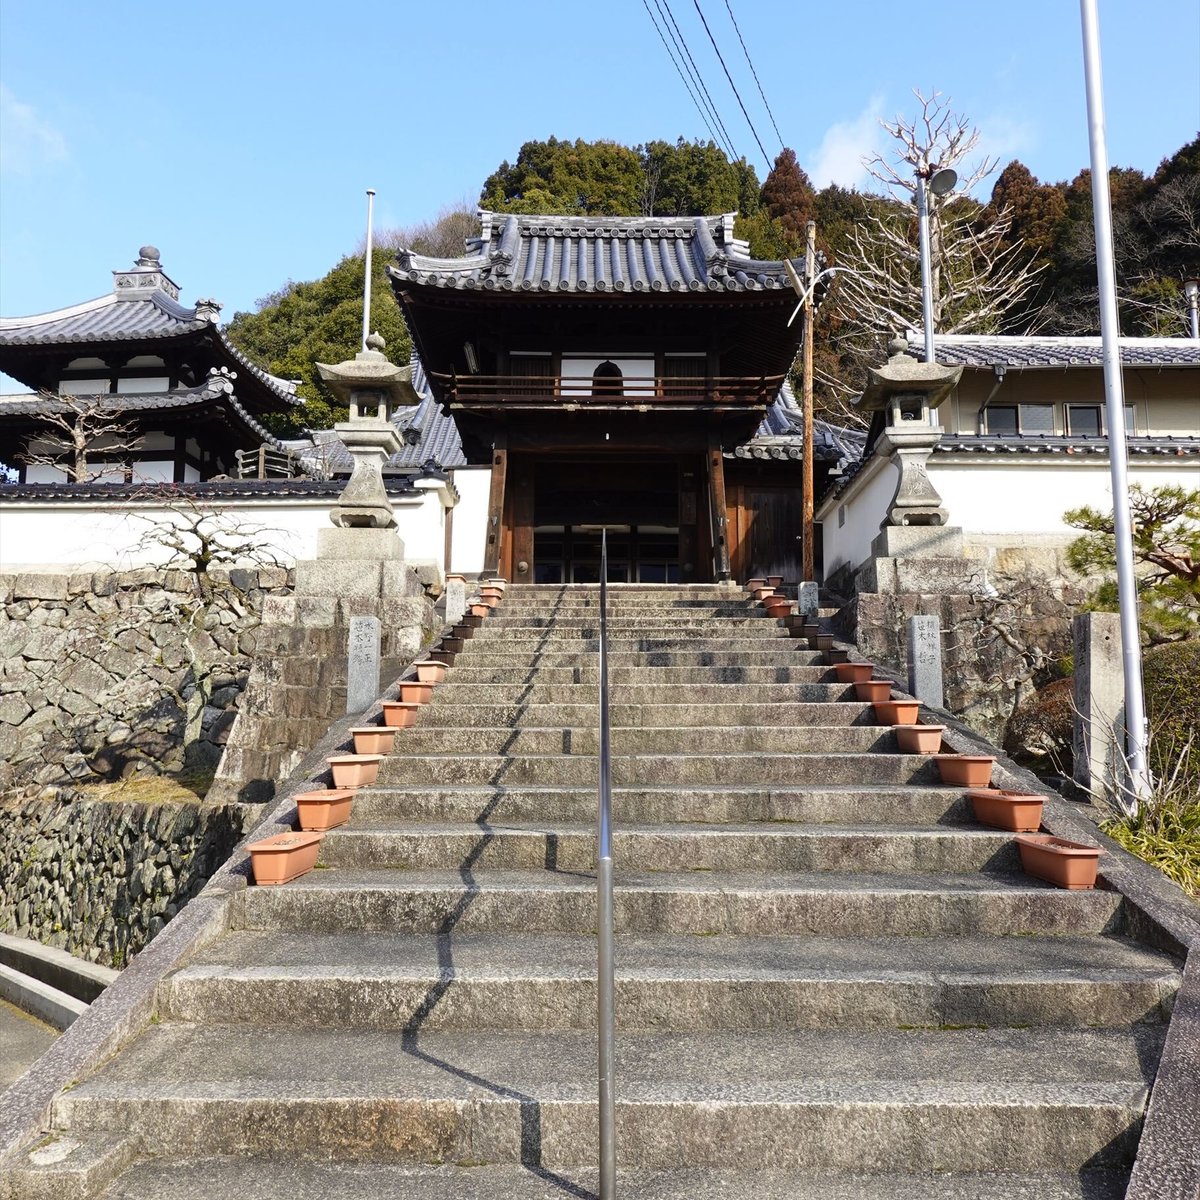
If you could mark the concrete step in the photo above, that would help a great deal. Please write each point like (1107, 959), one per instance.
(451, 692)
(793, 653)
(900, 1101)
(758, 847)
(586, 714)
(696, 642)
(752, 631)
(477, 981)
(579, 770)
(688, 739)
(826, 903)
(266, 1179)
(741, 624)
(751, 676)
(882, 805)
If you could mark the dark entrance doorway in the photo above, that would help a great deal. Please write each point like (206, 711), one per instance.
(639, 504)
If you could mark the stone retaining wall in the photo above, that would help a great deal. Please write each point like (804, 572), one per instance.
(97, 670)
(101, 879)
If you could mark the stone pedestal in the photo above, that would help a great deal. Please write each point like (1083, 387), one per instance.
(456, 598)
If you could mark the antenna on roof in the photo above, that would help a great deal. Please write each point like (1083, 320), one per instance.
(367, 273)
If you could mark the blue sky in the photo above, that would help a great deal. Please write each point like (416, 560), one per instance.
(239, 137)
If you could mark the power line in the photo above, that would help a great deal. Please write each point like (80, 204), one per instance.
(679, 69)
(766, 156)
(755, 74)
(731, 151)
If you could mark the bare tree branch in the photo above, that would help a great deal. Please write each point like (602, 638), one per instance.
(78, 430)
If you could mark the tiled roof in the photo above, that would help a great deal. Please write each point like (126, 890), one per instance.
(143, 306)
(1048, 443)
(978, 350)
(780, 436)
(155, 493)
(535, 253)
(217, 389)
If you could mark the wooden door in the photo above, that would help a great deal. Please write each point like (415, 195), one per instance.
(764, 527)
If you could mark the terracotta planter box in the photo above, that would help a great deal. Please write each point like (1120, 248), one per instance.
(919, 739)
(775, 581)
(354, 770)
(1019, 812)
(497, 582)
(777, 609)
(318, 811)
(761, 593)
(284, 857)
(896, 712)
(966, 770)
(754, 584)
(373, 739)
(431, 672)
(399, 715)
(416, 693)
(491, 593)
(872, 690)
(848, 672)
(1066, 864)
(481, 610)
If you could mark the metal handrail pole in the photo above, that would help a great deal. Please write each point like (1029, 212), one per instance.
(605, 983)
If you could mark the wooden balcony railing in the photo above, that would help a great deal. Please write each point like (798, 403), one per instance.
(629, 392)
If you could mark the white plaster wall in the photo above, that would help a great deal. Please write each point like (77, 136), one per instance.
(469, 526)
(97, 536)
(848, 542)
(998, 498)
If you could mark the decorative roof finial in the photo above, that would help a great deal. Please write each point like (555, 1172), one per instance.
(148, 256)
(208, 310)
(376, 342)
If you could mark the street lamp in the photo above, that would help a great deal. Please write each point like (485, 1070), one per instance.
(940, 182)
(1191, 289)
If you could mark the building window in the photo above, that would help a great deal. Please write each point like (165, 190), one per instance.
(1020, 418)
(1002, 418)
(1087, 420)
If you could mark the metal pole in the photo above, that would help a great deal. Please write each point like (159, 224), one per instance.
(605, 981)
(367, 285)
(1114, 394)
(926, 269)
(806, 478)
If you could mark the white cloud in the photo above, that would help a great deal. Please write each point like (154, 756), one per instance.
(27, 141)
(1005, 138)
(839, 158)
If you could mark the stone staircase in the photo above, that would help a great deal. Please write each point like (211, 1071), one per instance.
(831, 984)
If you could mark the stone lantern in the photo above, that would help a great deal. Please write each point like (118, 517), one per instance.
(372, 388)
(907, 393)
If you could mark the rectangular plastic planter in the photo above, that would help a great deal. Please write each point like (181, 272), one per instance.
(848, 672)
(1070, 865)
(1018, 812)
(431, 672)
(398, 715)
(354, 770)
(373, 739)
(896, 712)
(416, 693)
(284, 857)
(873, 690)
(318, 811)
(966, 770)
(919, 739)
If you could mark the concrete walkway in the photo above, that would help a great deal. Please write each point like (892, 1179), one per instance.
(23, 1039)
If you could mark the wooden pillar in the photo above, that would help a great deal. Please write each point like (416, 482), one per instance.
(495, 518)
(806, 518)
(717, 512)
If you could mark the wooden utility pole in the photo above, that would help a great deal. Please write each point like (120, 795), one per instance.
(806, 493)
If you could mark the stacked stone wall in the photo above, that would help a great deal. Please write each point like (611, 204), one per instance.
(100, 879)
(97, 669)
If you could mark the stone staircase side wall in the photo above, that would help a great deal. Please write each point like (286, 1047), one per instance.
(99, 879)
(297, 686)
